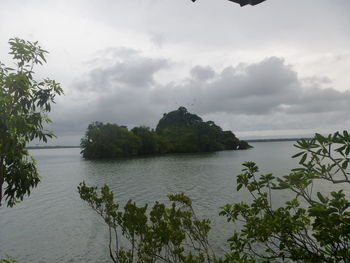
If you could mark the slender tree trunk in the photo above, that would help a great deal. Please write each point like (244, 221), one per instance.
(2, 171)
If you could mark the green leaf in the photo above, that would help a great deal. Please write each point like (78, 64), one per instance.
(297, 155)
(345, 164)
(347, 150)
(320, 138)
(303, 158)
(321, 198)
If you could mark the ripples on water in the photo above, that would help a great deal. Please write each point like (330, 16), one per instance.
(54, 225)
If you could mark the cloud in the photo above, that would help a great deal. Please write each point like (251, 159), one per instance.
(129, 70)
(293, 75)
(268, 95)
(201, 73)
(157, 39)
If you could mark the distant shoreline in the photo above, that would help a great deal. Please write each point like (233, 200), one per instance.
(51, 147)
(248, 140)
(277, 140)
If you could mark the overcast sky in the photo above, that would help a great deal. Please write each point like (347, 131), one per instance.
(278, 69)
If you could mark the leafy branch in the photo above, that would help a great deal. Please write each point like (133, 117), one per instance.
(312, 226)
(163, 234)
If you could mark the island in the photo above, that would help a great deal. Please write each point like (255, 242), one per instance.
(178, 131)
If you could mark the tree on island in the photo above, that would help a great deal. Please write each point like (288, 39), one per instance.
(179, 117)
(109, 141)
(177, 132)
(24, 104)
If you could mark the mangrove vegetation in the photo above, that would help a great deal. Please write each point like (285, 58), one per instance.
(178, 131)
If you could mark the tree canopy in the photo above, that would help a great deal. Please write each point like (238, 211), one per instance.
(24, 104)
(177, 132)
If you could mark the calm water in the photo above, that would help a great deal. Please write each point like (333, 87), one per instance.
(54, 225)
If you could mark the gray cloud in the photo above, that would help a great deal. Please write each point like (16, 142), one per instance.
(183, 53)
(157, 39)
(133, 72)
(200, 73)
(261, 96)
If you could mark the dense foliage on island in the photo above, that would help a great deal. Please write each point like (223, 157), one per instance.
(177, 132)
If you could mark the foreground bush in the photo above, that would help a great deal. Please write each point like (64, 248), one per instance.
(165, 233)
(8, 259)
(313, 226)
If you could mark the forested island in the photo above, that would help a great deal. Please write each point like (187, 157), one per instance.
(178, 131)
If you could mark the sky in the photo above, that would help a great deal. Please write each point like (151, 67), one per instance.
(277, 69)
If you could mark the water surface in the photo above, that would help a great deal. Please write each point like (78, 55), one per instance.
(54, 225)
